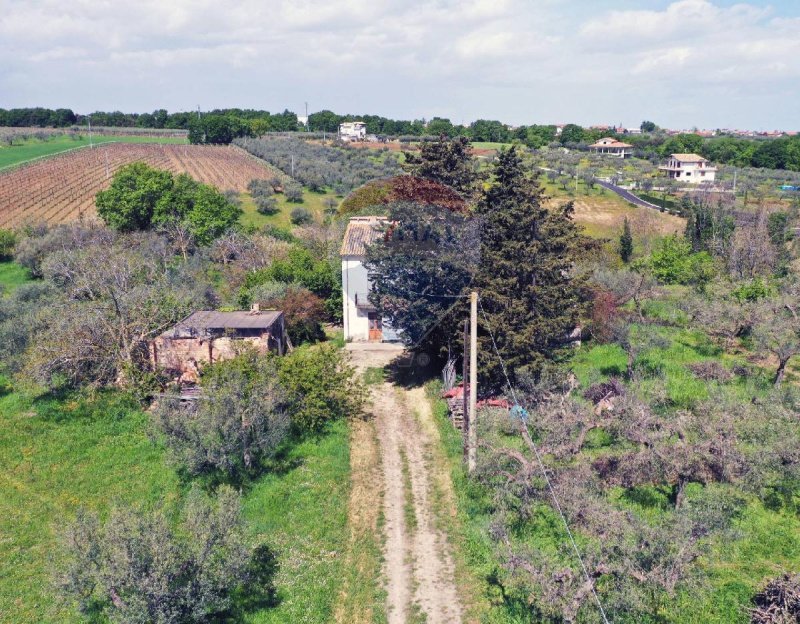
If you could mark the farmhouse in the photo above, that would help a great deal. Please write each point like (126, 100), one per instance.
(353, 131)
(690, 168)
(361, 321)
(207, 336)
(612, 147)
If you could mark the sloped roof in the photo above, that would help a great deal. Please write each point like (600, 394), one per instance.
(688, 157)
(612, 142)
(240, 319)
(360, 232)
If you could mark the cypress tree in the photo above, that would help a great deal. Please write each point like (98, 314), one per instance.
(525, 279)
(626, 242)
(447, 161)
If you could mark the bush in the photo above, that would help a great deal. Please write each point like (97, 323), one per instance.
(301, 267)
(266, 205)
(301, 216)
(673, 262)
(137, 567)
(322, 387)
(7, 242)
(293, 192)
(239, 420)
(261, 188)
(303, 310)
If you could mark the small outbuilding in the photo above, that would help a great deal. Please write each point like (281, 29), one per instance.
(208, 336)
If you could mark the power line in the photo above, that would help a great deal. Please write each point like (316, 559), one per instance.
(542, 468)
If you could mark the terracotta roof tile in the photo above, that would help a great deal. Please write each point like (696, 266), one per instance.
(360, 232)
(688, 157)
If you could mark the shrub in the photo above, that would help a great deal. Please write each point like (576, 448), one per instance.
(239, 420)
(266, 205)
(674, 263)
(301, 216)
(261, 188)
(138, 567)
(293, 193)
(302, 309)
(322, 387)
(7, 242)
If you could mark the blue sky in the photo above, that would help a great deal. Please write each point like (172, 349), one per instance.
(680, 63)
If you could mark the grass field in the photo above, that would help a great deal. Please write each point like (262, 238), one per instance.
(60, 453)
(35, 148)
(315, 202)
(601, 212)
(12, 275)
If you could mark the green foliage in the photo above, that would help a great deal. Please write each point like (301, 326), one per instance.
(708, 228)
(430, 257)
(446, 161)
(626, 242)
(301, 216)
(141, 197)
(531, 298)
(8, 240)
(647, 126)
(217, 129)
(131, 200)
(673, 262)
(491, 131)
(682, 144)
(321, 386)
(536, 136)
(136, 567)
(293, 192)
(266, 205)
(754, 290)
(238, 422)
(300, 267)
(572, 133)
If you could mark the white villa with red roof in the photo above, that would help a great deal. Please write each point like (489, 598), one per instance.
(691, 168)
(612, 147)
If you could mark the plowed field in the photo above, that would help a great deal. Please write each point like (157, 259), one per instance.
(63, 188)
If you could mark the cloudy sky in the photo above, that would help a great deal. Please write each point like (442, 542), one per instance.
(681, 63)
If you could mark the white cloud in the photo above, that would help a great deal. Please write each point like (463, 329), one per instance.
(510, 59)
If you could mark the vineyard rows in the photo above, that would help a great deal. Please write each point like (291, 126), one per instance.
(63, 188)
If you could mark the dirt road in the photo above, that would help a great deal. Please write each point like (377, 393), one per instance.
(410, 489)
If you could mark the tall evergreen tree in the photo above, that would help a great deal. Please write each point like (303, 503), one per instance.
(525, 281)
(626, 242)
(447, 161)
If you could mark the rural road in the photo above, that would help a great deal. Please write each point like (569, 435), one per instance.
(418, 569)
(627, 195)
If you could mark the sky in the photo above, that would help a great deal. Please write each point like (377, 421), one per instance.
(680, 63)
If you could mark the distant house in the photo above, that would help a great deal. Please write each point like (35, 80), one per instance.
(353, 131)
(207, 336)
(690, 168)
(362, 323)
(612, 147)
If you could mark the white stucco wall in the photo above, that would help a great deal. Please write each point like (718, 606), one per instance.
(354, 281)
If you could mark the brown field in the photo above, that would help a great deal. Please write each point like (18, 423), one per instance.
(63, 188)
(602, 216)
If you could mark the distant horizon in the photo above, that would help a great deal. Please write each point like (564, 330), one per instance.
(679, 63)
(426, 119)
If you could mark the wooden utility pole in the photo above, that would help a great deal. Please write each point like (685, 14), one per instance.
(464, 395)
(473, 381)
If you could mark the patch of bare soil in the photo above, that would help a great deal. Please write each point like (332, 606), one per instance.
(418, 570)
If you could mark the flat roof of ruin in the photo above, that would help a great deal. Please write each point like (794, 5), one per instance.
(240, 319)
